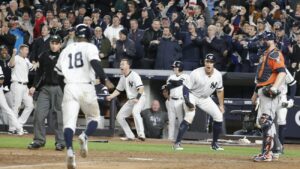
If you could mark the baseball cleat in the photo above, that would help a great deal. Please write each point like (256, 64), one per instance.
(71, 159)
(216, 147)
(177, 147)
(142, 138)
(276, 156)
(25, 131)
(263, 158)
(34, 146)
(126, 139)
(255, 156)
(20, 132)
(59, 147)
(83, 145)
(11, 132)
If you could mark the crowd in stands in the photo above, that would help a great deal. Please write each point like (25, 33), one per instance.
(155, 33)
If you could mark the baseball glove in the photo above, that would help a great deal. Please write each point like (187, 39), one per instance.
(269, 92)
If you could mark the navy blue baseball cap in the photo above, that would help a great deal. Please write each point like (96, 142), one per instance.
(210, 57)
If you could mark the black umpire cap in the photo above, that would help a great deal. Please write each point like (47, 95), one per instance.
(55, 38)
(210, 57)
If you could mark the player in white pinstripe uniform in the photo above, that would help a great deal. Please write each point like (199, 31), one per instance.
(282, 110)
(21, 66)
(175, 108)
(12, 119)
(203, 83)
(131, 82)
(78, 64)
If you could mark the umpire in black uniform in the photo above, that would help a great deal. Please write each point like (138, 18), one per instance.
(49, 99)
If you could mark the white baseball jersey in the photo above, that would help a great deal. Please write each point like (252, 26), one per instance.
(1, 75)
(130, 84)
(74, 62)
(21, 69)
(289, 81)
(177, 91)
(201, 85)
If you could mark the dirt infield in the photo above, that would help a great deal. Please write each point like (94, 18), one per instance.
(50, 159)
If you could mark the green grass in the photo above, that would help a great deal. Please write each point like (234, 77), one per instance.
(119, 146)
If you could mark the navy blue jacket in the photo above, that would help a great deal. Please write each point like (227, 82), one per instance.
(168, 51)
(137, 38)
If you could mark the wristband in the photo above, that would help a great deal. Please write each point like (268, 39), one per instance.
(138, 96)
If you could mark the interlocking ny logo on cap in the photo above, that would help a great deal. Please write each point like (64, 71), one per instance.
(209, 56)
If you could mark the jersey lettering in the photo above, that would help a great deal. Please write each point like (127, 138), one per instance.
(78, 62)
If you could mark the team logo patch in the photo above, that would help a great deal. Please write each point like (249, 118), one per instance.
(130, 84)
(52, 57)
(213, 85)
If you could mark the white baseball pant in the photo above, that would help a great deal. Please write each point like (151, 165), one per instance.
(135, 109)
(20, 94)
(78, 96)
(268, 106)
(281, 112)
(12, 119)
(175, 110)
(205, 104)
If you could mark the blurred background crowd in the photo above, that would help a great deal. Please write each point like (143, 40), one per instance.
(155, 33)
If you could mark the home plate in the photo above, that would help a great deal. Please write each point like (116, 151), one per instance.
(141, 159)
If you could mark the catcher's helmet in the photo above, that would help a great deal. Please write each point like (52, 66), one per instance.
(83, 31)
(177, 64)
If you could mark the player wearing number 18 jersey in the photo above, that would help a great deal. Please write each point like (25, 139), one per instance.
(77, 64)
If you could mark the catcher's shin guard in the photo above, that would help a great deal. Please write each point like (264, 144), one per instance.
(265, 122)
(267, 145)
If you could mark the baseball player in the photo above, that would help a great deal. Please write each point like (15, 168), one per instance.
(12, 119)
(77, 64)
(284, 104)
(131, 82)
(270, 75)
(203, 83)
(175, 109)
(21, 66)
(281, 112)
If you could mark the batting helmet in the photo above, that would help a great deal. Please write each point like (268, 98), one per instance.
(83, 31)
(177, 64)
